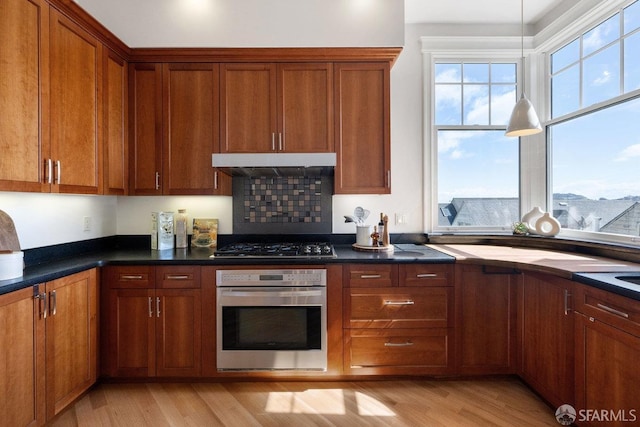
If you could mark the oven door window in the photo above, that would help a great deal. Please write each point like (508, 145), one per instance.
(271, 328)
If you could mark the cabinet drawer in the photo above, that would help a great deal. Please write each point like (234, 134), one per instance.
(137, 277)
(397, 348)
(398, 307)
(616, 310)
(426, 275)
(178, 277)
(371, 275)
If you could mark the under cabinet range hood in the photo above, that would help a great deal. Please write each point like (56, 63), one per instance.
(278, 164)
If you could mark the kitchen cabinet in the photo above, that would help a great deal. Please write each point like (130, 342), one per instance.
(362, 131)
(24, 58)
(152, 324)
(398, 319)
(486, 319)
(173, 120)
(75, 70)
(607, 350)
(269, 107)
(22, 343)
(546, 329)
(115, 170)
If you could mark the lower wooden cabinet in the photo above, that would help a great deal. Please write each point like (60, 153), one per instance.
(153, 321)
(48, 340)
(607, 332)
(546, 330)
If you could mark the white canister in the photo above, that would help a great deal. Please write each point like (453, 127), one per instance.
(363, 235)
(11, 265)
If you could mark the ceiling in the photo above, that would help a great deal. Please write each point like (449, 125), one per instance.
(476, 11)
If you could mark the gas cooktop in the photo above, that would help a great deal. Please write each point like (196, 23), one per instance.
(278, 250)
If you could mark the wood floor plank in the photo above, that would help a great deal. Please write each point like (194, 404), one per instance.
(431, 403)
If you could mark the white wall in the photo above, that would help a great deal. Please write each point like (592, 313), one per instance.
(251, 23)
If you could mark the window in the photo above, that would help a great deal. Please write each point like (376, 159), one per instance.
(595, 141)
(477, 166)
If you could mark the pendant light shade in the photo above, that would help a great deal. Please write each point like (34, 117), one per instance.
(524, 120)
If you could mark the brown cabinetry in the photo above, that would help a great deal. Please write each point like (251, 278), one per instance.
(173, 125)
(152, 324)
(24, 73)
(486, 319)
(398, 319)
(546, 329)
(269, 107)
(48, 342)
(75, 70)
(362, 131)
(607, 350)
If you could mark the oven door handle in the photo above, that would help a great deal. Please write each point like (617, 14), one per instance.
(270, 293)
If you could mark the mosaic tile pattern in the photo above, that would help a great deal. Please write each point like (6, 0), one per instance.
(287, 199)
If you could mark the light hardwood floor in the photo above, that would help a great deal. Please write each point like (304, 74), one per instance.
(478, 402)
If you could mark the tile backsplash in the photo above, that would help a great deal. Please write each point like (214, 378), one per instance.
(282, 204)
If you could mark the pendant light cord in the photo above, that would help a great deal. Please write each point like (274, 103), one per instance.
(522, 42)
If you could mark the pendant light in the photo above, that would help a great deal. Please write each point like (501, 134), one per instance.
(524, 120)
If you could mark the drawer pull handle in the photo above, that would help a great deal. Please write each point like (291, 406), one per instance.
(370, 276)
(177, 277)
(426, 275)
(401, 344)
(613, 311)
(150, 308)
(131, 277)
(390, 302)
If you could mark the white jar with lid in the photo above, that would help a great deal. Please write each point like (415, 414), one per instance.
(181, 229)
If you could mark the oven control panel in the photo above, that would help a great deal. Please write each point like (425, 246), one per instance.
(269, 277)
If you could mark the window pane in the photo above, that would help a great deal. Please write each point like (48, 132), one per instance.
(503, 98)
(475, 73)
(448, 73)
(602, 76)
(477, 179)
(632, 62)
(476, 105)
(503, 73)
(631, 17)
(565, 89)
(565, 56)
(601, 35)
(596, 180)
(448, 103)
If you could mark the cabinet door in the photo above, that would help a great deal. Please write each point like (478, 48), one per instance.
(607, 376)
(178, 333)
(22, 400)
(248, 121)
(547, 331)
(362, 131)
(130, 329)
(305, 108)
(486, 324)
(115, 172)
(75, 72)
(145, 129)
(71, 339)
(24, 136)
(191, 131)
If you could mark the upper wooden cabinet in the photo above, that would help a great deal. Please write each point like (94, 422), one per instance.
(75, 68)
(362, 131)
(24, 78)
(272, 107)
(115, 172)
(173, 125)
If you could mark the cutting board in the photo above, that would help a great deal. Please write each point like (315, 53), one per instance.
(8, 236)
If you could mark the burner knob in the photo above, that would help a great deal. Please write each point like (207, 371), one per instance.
(317, 249)
(306, 249)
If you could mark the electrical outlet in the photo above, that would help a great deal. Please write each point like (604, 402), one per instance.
(86, 223)
(401, 219)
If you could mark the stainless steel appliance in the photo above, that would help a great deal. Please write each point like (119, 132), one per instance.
(277, 250)
(271, 319)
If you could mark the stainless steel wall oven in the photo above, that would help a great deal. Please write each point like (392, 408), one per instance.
(271, 319)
